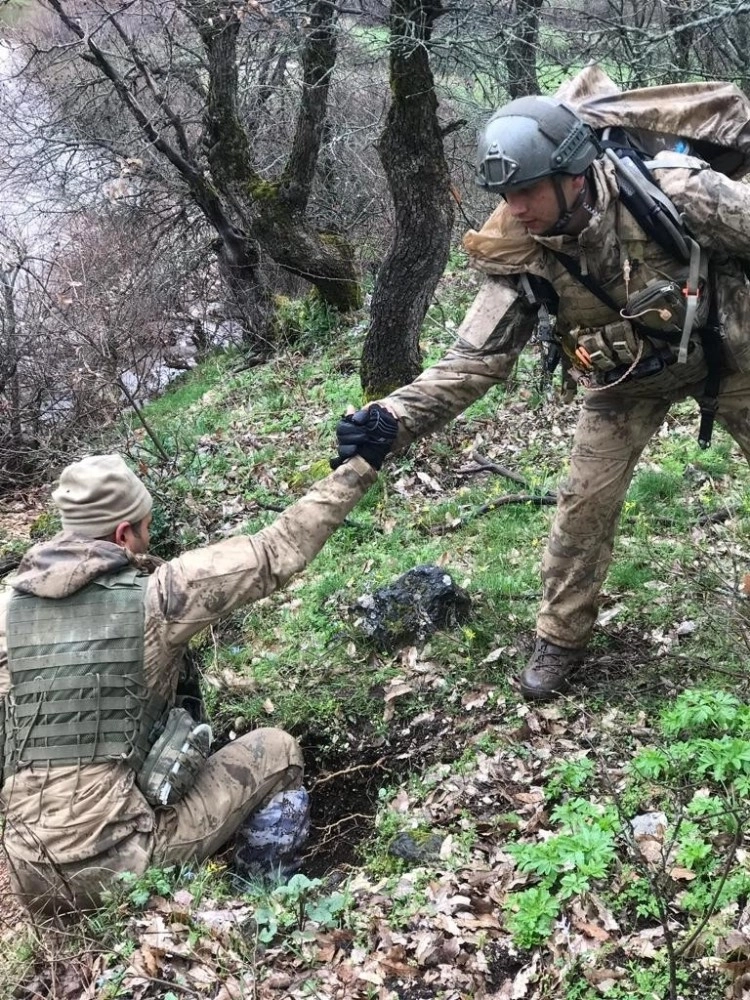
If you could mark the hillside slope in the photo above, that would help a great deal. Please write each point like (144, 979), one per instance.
(465, 844)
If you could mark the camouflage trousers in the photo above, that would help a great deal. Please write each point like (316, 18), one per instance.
(613, 429)
(233, 783)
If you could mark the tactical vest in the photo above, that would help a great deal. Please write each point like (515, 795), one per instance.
(624, 242)
(78, 692)
(656, 296)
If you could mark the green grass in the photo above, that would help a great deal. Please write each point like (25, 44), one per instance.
(262, 436)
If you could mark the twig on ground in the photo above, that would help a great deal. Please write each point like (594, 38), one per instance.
(347, 770)
(484, 464)
(546, 500)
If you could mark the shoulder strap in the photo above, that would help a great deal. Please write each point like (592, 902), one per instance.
(654, 212)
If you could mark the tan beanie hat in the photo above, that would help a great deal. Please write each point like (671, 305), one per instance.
(98, 493)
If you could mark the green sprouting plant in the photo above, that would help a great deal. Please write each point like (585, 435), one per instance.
(566, 863)
(588, 850)
(651, 763)
(153, 882)
(569, 776)
(702, 893)
(693, 851)
(637, 893)
(699, 712)
(578, 812)
(646, 981)
(531, 915)
(289, 906)
(722, 759)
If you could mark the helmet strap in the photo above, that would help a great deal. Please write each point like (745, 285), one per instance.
(568, 211)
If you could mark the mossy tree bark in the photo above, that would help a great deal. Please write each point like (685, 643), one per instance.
(411, 151)
(274, 212)
(251, 215)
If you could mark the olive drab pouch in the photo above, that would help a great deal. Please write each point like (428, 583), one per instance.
(176, 757)
(662, 307)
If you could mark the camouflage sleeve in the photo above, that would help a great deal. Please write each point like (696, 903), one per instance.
(202, 586)
(497, 326)
(716, 208)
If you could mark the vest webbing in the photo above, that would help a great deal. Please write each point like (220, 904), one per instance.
(78, 692)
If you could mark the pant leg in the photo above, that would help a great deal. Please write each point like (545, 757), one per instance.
(734, 409)
(48, 890)
(612, 431)
(232, 784)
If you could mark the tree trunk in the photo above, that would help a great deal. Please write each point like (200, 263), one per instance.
(520, 56)
(247, 290)
(274, 211)
(9, 370)
(679, 13)
(412, 154)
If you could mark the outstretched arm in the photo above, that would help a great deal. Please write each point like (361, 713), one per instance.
(201, 586)
(495, 330)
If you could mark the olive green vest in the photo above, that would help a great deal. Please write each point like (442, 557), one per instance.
(78, 693)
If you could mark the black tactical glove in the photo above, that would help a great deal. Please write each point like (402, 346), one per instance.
(369, 433)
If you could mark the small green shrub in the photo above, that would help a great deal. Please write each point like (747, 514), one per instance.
(566, 864)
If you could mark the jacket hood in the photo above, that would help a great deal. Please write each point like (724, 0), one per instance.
(68, 562)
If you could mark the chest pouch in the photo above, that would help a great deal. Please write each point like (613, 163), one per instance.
(176, 757)
(662, 306)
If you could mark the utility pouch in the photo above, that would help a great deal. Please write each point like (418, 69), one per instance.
(176, 757)
(662, 307)
(605, 348)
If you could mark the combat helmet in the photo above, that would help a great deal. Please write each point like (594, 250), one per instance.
(532, 138)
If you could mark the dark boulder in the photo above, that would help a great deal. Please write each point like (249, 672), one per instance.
(416, 849)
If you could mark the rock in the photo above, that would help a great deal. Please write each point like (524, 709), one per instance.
(411, 609)
(651, 824)
(410, 848)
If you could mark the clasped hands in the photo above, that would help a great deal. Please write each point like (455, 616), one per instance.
(369, 433)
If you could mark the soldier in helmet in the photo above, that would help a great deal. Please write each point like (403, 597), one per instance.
(637, 318)
(101, 771)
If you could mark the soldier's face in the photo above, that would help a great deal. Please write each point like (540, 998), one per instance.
(537, 207)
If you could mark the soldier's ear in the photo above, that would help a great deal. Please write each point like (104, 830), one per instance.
(123, 534)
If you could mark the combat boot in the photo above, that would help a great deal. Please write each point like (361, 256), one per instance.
(547, 672)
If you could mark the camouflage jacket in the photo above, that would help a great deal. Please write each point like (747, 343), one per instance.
(500, 321)
(69, 814)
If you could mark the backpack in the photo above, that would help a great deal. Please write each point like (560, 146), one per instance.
(713, 118)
